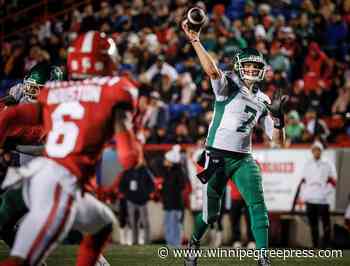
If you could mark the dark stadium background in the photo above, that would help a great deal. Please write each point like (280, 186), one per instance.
(287, 32)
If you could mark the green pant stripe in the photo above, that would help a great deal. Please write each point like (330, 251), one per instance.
(218, 114)
(244, 171)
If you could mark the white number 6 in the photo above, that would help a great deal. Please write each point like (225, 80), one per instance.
(63, 135)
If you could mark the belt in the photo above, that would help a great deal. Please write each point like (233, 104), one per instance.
(225, 153)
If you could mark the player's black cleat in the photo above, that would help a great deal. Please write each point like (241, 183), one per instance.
(191, 260)
(264, 261)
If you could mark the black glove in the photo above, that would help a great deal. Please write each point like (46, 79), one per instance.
(277, 107)
(215, 165)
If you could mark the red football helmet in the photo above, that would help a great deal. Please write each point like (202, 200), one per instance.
(91, 54)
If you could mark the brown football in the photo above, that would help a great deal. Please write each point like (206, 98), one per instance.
(196, 18)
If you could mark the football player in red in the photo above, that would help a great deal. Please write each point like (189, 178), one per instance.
(23, 143)
(79, 116)
(91, 54)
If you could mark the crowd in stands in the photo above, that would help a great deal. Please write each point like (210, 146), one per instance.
(304, 43)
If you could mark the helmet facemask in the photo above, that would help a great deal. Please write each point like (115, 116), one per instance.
(31, 90)
(255, 74)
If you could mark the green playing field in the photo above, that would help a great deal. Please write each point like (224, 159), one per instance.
(148, 256)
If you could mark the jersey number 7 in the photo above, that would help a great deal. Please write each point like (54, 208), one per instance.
(252, 112)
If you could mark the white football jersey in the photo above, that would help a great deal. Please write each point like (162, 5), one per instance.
(17, 92)
(236, 111)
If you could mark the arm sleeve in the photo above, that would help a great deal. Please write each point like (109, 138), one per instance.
(128, 149)
(122, 93)
(220, 87)
(332, 172)
(16, 92)
(123, 183)
(22, 114)
(171, 71)
(151, 72)
(149, 179)
(304, 173)
(266, 123)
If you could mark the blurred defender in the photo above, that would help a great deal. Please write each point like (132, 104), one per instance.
(79, 117)
(25, 140)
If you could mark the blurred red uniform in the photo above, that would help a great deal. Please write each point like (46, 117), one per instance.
(79, 117)
(91, 54)
(24, 135)
(79, 130)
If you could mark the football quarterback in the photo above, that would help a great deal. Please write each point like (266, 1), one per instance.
(239, 106)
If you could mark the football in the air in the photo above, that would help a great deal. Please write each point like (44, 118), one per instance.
(196, 18)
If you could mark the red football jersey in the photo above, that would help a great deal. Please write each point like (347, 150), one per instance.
(78, 118)
(26, 135)
(88, 56)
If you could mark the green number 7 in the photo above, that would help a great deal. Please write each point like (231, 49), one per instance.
(252, 112)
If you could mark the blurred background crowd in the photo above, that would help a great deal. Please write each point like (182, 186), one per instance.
(304, 42)
(306, 46)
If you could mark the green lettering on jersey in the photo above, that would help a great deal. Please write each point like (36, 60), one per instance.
(252, 112)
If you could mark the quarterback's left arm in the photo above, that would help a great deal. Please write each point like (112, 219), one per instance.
(275, 135)
(278, 137)
(276, 117)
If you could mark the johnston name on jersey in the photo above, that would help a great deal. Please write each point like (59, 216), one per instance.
(236, 111)
(78, 116)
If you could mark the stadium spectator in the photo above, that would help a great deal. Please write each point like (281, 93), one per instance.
(341, 104)
(277, 59)
(159, 115)
(14, 65)
(300, 39)
(315, 127)
(181, 134)
(298, 100)
(174, 183)
(187, 88)
(137, 184)
(335, 36)
(159, 68)
(316, 63)
(304, 29)
(318, 178)
(196, 197)
(294, 128)
(125, 233)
